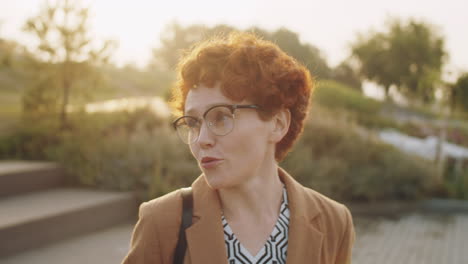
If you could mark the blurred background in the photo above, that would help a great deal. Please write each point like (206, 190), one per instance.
(85, 132)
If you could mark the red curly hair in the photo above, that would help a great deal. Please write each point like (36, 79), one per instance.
(247, 67)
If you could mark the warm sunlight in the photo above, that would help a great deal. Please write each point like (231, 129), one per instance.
(340, 126)
(155, 104)
(330, 25)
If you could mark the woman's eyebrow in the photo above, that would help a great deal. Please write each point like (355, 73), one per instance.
(194, 111)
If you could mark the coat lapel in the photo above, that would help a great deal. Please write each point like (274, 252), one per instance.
(304, 240)
(205, 237)
(304, 244)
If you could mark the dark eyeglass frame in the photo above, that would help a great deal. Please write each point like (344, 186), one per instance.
(231, 107)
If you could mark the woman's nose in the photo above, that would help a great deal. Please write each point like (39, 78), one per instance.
(206, 138)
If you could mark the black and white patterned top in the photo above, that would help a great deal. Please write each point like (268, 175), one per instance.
(275, 249)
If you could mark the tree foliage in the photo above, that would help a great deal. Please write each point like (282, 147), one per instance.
(347, 74)
(306, 53)
(176, 38)
(6, 53)
(66, 58)
(13, 58)
(409, 55)
(459, 95)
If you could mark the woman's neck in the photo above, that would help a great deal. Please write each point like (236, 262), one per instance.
(257, 199)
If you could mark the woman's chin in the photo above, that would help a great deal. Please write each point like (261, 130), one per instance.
(214, 181)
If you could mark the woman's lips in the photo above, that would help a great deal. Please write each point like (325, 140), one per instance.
(211, 164)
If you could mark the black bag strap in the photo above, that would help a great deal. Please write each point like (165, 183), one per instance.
(187, 212)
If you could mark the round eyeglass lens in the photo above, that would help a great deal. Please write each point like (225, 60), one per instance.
(187, 129)
(220, 120)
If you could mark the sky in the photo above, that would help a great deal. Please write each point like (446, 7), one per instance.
(329, 25)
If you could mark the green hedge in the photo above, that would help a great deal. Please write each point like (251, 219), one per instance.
(118, 151)
(138, 151)
(335, 95)
(339, 159)
(351, 104)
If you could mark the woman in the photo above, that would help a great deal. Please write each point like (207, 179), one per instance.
(243, 103)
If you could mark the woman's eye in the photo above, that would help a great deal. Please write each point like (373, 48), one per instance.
(191, 123)
(220, 117)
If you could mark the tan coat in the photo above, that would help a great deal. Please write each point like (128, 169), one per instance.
(320, 230)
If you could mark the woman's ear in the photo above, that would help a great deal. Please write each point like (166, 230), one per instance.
(280, 122)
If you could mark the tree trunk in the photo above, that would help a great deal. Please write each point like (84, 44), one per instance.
(386, 94)
(65, 96)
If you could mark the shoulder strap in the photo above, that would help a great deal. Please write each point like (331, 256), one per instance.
(187, 211)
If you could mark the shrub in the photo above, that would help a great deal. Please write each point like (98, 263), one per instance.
(335, 157)
(455, 183)
(29, 140)
(131, 151)
(139, 151)
(118, 151)
(335, 95)
(458, 134)
(352, 105)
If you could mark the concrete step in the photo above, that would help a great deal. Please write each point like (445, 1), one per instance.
(31, 220)
(17, 177)
(108, 246)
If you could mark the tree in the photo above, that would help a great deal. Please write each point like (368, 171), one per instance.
(409, 55)
(307, 54)
(175, 39)
(12, 59)
(9, 49)
(6, 52)
(66, 57)
(347, 74)
(459, 95)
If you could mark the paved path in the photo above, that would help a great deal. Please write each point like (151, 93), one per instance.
(105, 247)
(414, 238)
(15, 166)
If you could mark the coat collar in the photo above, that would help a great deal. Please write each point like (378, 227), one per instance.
(206, 235)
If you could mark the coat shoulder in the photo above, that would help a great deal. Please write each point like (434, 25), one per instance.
(326, 205)
(335, 221)
(156, 232)
(163, 215)
(166, 208)
(334, 215)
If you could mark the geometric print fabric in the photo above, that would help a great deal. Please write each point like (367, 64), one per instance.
(275, 249)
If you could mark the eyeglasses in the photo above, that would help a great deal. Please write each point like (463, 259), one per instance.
(219, 120)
